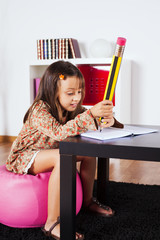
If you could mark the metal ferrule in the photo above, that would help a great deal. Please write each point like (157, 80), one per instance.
(119, 50)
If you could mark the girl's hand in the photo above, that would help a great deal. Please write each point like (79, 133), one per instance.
(103, 109)
(106, 122)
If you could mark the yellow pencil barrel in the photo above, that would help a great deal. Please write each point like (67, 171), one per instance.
(114, 69)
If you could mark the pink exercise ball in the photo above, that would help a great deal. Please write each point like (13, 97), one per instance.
(23, 198)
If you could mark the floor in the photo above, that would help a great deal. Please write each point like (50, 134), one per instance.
(120, 170)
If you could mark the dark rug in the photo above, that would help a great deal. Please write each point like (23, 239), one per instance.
(137, 217)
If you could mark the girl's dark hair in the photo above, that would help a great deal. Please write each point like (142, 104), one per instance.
(48, 90)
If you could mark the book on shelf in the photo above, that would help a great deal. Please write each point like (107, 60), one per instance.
(59, 48)
(66, 48)
(74, 48)
(44, 50)
(41, 48)
(56, 49)
(52, 49)
(47, 48)
(38, 49)
(112, 133)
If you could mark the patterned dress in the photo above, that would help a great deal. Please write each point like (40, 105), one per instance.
(43, 131)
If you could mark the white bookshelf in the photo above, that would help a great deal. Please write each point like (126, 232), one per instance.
(122, 107)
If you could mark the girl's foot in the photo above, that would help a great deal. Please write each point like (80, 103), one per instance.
(54, 231)
(98, 209)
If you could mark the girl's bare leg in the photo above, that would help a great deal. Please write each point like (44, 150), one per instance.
(87, 173)
(49, 160)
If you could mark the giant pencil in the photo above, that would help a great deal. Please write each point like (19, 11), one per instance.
(114, 70)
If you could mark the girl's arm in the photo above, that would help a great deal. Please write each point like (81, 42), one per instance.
(43, 121)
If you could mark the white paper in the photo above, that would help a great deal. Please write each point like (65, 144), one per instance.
(138, 130)
(111, 133)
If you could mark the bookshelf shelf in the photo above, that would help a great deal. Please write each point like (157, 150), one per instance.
(122, 107)
(76, 61)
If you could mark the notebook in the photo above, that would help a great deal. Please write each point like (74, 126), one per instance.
(111, 133)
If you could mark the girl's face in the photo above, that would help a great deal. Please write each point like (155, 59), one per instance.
(69, 93)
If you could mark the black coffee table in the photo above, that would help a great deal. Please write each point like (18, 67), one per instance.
(142, 147)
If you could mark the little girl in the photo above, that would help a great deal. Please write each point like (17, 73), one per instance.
(56, 114)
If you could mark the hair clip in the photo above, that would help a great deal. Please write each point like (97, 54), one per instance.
(61, 77)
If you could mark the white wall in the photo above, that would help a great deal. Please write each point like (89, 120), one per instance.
(22, 22)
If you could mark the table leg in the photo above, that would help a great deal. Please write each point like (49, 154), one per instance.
(67, 196)
(102, 178)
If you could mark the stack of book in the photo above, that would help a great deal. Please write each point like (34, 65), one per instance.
(61, 48)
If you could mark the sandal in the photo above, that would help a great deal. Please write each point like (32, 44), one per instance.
(88, 209)
(49, 232)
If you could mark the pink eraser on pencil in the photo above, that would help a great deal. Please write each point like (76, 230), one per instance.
(121, 41)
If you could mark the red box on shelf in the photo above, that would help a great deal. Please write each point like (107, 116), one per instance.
(95, 84)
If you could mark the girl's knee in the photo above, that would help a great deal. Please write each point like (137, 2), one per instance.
(55, 158)
(57, 163)
(85, 158)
